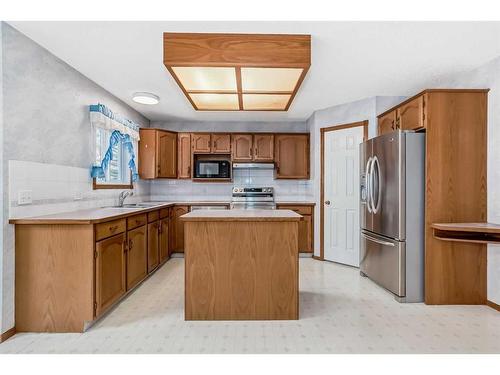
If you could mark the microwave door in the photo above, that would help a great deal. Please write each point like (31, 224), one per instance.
(386, 185)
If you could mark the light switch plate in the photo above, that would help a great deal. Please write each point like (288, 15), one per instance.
(24, 197)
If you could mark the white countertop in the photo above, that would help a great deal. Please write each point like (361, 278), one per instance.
(241, 215)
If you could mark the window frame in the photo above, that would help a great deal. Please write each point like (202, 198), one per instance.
(96, 184)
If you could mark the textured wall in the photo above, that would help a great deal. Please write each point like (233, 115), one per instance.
(231, 126)
(486, 76)
(45, 120)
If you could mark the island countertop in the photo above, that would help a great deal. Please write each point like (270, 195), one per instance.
(241, 215)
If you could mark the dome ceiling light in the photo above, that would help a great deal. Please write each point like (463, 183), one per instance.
(238, 72)
(145, 98)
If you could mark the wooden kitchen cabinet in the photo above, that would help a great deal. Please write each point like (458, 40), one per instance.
(242, 147)
(164, 249)
(184, 155)
(410, 116)
(157, 154)
(137, 255)
(263, 145)
(387, 123)
(201, 143)
(177, 229)
(110, 258)
(221, 143)
(306, 225)
(291, 154)
(153, 245)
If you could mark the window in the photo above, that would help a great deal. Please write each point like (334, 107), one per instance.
(117, 174)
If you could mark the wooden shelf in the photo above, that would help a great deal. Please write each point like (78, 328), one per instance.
(482, 233)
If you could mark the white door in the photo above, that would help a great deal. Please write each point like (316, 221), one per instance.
(341, 192)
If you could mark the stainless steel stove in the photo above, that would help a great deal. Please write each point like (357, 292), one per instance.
(261, 198)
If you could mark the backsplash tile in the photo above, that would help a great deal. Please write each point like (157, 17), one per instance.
(58, 188)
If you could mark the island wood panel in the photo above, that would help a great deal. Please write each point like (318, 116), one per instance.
(61, 298)
(110, 278)
(456, 154)
(241, 270)
(183, 155)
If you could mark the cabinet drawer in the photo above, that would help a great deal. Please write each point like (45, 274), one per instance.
(153, 216)
(164, 212)
(136, 221)
(109, 228)
(301, 210)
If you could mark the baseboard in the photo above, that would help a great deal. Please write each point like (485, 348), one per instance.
(8, 334)
(177, 255)
(493, 305)
(317, 257)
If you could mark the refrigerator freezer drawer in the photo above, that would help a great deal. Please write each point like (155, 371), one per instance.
(383, 261)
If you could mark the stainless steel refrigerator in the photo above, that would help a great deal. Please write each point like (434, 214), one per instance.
(392, 213)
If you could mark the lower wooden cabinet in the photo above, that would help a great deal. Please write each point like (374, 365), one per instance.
(110, 283)
(137, 267)
(163, 239)
(153, 248)
(306, 226)
(177, 229)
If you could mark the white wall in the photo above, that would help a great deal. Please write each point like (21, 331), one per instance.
(366, 109)
(486, 76)
(46, 142)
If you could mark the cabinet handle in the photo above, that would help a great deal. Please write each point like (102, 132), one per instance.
(125, 246)
(215, 144)
(159, 169)
(189, 170)
(113, 228)
(130, 245)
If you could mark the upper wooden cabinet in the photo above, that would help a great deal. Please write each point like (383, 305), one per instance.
(263, 145)
(253, 147)
(291, 154)
(221, 143)
(242, 147)
(184, 155)
(109, 272)
(157, 154)
(387, 123)
(201, 143)
(411, 116)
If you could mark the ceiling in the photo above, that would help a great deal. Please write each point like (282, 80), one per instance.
(350, 60)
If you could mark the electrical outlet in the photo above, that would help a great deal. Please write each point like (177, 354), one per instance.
(24, 197)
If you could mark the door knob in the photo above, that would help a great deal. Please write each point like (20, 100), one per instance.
(328, 203)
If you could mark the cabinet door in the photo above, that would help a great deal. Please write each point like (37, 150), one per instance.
(147, 154)
(242, 147)
(166, 154)
(183, 155)
(153, 250)
(109, 271)
(410, 116)
(263, 145)
(387, 123)
(137, 256)
(164, 239)
(201, 143)
(305, 234)
(221, 143)
(292, 156)
(177, 228)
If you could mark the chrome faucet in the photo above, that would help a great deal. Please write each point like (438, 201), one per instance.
(124, 194)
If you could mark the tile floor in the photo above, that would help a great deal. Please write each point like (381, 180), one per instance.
(340, 311)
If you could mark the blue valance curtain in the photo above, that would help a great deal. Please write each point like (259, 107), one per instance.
(122, 130)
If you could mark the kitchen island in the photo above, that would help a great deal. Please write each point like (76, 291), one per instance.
(241, 265)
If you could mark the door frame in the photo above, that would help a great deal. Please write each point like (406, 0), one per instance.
(364, 124)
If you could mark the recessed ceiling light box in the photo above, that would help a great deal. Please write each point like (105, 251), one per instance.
(238, 72)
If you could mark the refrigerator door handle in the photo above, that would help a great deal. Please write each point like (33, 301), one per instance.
(368, 183)
(376, 207)
(376, 240)
(371, 187)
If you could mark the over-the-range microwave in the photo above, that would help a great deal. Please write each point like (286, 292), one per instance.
(206, 168)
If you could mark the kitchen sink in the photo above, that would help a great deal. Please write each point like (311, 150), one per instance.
(136, 205)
